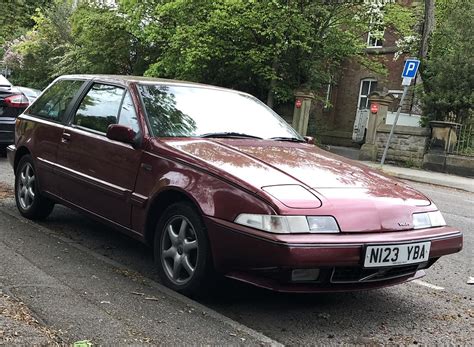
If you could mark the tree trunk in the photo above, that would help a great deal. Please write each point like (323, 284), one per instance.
(427, 29)
(428, 26)
(271, 94)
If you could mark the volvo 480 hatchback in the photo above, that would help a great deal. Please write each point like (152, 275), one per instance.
(217, 183)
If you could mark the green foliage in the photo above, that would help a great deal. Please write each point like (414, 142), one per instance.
(249, 45)
(33, 57)
(100, 43)
(448, 73)
(16, 17)
(89, 39)
(268, 48)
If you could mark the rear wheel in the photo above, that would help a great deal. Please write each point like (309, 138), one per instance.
(29, 201)
(182, 252)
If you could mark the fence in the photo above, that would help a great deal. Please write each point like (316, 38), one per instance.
(465, 140)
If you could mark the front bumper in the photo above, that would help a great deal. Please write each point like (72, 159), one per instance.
(266, 260)
(11, 151)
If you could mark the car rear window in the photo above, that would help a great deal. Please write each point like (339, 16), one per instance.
(53, 103)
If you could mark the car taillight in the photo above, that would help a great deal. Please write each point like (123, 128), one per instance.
(17, 101)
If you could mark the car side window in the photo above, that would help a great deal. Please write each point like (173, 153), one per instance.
(53, 103)
(128, 116)
(99, 108)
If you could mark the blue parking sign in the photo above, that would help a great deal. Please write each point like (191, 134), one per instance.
(410, 69)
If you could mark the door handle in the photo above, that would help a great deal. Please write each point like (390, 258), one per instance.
(146, 167)
(66, 137)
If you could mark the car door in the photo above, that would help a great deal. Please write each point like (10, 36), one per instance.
(98, 173)
(43, 125)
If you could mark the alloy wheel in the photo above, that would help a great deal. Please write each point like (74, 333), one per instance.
(179, 250)
(26, 187)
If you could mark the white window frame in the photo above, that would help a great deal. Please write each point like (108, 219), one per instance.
(359, 97)
(373, 42)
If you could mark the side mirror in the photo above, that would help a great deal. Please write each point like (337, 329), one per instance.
(309, 139)
(121, 133)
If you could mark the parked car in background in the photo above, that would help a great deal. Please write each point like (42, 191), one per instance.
(13, 101)
(30, 93)
(216, 182)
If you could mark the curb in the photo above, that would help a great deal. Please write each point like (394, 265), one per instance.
(427, 180)
(432, 181)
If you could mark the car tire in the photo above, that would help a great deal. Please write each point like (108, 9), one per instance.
(182, 251)
(29, 200)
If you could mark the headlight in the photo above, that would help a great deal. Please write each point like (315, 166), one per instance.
(428, 220)
(289, 224)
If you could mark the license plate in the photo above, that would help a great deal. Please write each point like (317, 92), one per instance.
(389, 255)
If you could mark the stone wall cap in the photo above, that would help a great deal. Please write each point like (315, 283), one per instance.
(403, 129)
(381, 97)
(304, 94)
(443, 124)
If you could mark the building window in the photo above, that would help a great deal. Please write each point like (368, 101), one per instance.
(373, 42)
(327, 101)
(367, 86)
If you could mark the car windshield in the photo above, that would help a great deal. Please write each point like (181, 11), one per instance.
(188, 111)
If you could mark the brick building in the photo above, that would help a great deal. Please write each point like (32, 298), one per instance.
(348, 94)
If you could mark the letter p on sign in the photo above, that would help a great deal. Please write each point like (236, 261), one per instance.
(410, 69)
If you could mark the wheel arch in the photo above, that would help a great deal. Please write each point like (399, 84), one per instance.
(158, 205)
(20, 153)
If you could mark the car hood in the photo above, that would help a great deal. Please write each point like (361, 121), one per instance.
(341, 184)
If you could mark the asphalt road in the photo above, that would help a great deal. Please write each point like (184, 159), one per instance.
(437, 309)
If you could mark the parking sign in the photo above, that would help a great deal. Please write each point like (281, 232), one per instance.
(410, 69)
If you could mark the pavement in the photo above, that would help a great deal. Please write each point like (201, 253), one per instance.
(411, 174)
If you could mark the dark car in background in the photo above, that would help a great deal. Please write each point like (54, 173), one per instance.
(13, 101)
(216, 182)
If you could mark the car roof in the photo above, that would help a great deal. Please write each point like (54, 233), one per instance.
(4, 82)
(5, 85)
(27, 89)
(126, 79)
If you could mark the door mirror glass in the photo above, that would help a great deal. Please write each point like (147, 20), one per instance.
(121, 133)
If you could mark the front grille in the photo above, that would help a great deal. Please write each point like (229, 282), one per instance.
(361, 275)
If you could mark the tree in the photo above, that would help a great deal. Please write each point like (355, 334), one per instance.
(448, 73)
(100, 43)
(91, 38)
(267, 48)
(16, 17)
(34, 55)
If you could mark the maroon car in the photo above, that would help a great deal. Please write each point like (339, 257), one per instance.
(217, 183)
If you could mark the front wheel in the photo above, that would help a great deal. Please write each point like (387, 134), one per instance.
(182, 252)
(29, 201)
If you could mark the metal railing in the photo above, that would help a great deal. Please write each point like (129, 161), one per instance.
(465, 140)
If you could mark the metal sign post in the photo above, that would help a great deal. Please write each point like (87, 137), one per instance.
(409, 72)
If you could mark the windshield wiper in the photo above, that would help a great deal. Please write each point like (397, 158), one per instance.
(229, 134)
(289, 139)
